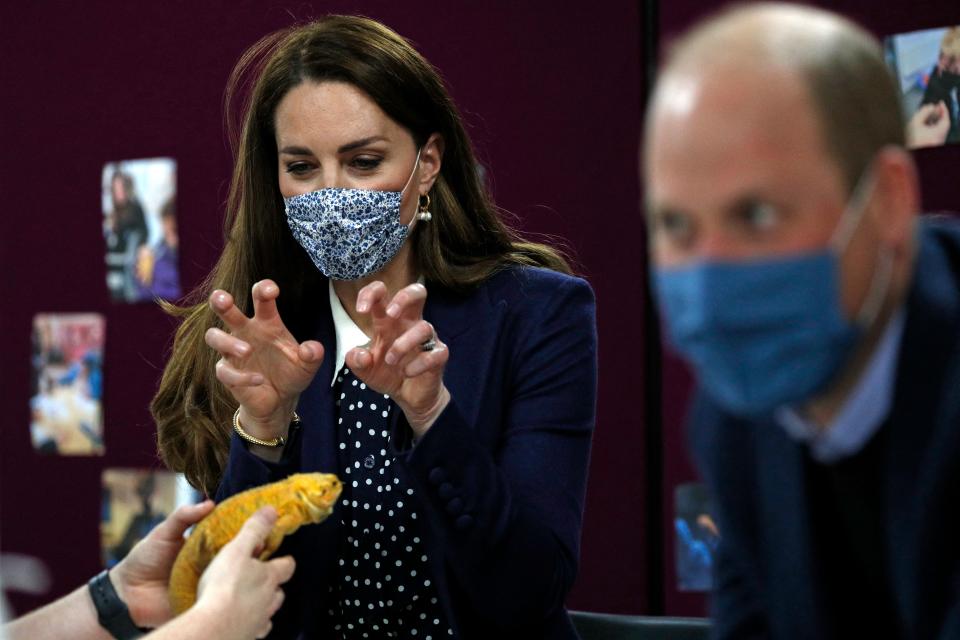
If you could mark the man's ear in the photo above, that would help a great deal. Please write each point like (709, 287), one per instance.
(431, 159)
(897, 199)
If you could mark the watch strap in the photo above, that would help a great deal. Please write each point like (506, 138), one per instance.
(112, 612)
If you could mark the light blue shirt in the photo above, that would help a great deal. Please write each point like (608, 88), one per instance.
(862, 413)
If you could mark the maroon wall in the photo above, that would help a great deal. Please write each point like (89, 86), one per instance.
(939, 171)
(550, 91)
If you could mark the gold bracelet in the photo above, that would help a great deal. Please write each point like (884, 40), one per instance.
(279, 441)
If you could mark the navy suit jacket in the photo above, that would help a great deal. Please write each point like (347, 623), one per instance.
(769, 581)
(500, 477)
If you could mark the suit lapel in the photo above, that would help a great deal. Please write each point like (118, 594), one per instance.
(469, 325)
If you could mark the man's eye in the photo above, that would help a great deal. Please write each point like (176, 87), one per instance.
(761, 216)
(675, 224)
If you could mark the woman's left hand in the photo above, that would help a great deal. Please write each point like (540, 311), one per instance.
(395, 361)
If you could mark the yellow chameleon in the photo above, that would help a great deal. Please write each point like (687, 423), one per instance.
(303, 498)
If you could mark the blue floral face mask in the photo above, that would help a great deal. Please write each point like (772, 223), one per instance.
(349, 233)
(767, 333)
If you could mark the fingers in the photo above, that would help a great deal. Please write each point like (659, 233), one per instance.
(233, 377)
(184, 517)
(408, 302)
(310, 351)
(281, 569)
(409, 342)
(276, 603)
(358, 358)
(265, 295)
(428, 361)
(406, 353)
(226, 344)
(265, 631)
(254, 532)
(222, 304)
(372, 299)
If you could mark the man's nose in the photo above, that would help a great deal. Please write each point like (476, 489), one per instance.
(713, 244)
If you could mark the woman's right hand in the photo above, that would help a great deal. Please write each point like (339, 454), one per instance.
(261, 362)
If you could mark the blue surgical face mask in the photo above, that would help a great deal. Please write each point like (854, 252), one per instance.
(349, 233)
(767, 333)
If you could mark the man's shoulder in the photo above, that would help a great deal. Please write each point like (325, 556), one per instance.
(942, 229)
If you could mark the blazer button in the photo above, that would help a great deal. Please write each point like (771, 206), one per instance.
(455, 506)
(464, 522)
(436, 475)
(446, 491)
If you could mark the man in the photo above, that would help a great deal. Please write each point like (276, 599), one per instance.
(822, 319)
(238, 593)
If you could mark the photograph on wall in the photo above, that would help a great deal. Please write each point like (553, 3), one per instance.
(140, 229)
(134, 502)
(696, 536)
(927, 68)
(66, 406)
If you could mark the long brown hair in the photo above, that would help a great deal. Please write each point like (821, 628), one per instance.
(464, 244)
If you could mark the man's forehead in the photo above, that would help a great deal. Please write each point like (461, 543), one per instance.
(719, 108)
(757, 96)
(725, 129)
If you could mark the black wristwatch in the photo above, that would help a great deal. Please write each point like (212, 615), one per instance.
(112, 612)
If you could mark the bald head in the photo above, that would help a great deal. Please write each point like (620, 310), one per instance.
(839, 66)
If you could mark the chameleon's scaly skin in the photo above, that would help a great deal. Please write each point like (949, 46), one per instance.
(303, 498)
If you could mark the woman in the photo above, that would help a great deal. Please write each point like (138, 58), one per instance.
(459, 421)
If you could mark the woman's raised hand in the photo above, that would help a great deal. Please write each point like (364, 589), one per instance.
(261, 362)
(396, 361)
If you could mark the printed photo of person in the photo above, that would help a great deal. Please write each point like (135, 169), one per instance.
(927, 67)
(140, 229)
(66, 411)
(696, 537)
(134, 502)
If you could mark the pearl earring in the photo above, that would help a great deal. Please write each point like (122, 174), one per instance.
(423, 210)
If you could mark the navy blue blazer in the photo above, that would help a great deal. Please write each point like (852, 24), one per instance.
(500, 477)
(769, 580)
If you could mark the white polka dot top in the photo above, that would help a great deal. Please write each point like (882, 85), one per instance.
(385, 587)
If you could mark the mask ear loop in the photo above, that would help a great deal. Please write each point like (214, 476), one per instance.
(416, 163)
(849, 222)
(879, 286)
(853, 213)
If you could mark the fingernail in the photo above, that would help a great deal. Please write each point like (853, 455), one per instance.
(361, 359)
(362, 307)
(390, 358)
(220, 298)
(257, 379)
(393, 310)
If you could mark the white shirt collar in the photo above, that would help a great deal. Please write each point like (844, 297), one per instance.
(349, 335)
(864, 410)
